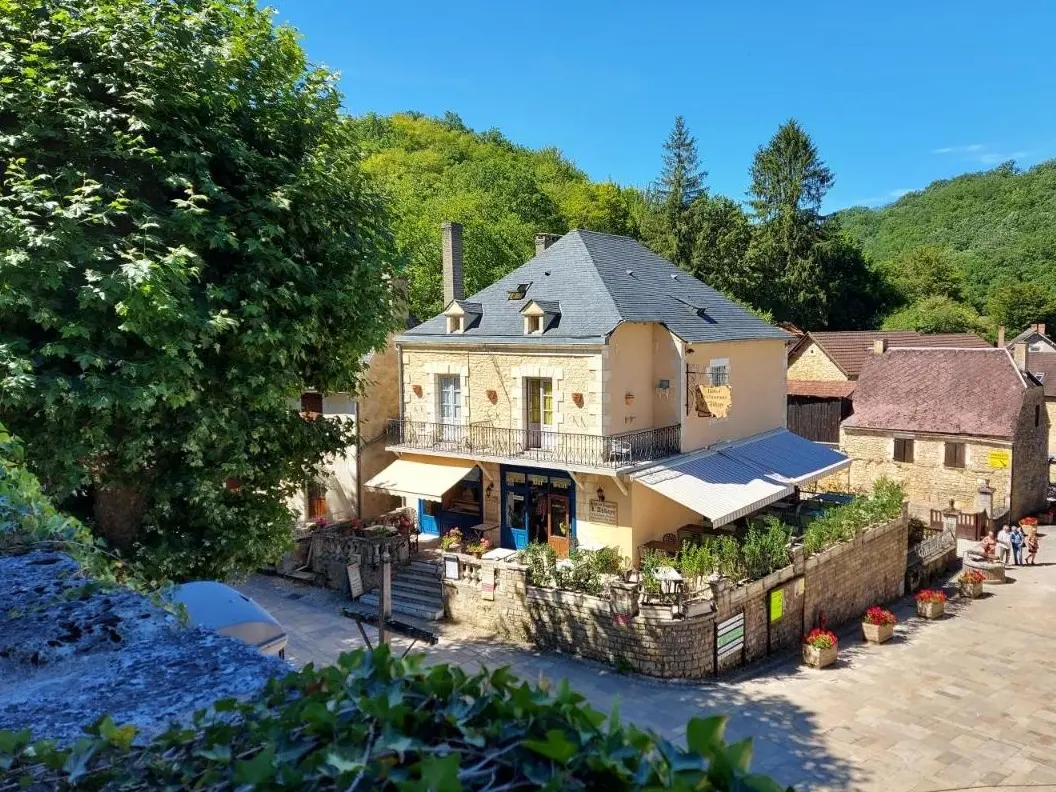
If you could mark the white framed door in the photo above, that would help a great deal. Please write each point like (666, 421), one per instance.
(540, 418)
(449, 408)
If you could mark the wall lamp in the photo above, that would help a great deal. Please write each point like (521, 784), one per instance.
(601, 494)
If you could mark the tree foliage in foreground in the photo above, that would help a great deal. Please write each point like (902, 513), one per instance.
(375, 722)
(186, 242)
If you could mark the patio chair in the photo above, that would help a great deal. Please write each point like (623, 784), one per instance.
(670, 537)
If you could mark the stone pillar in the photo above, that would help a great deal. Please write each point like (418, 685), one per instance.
(385, 600)
(624, 602)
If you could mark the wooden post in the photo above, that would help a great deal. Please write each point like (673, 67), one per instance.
(385, 600)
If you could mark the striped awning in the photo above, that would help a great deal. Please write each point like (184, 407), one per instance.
(427, 480)
(720, 488)
(732, 481)
(786, 457)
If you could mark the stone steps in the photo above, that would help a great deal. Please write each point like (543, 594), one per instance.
(416, 592)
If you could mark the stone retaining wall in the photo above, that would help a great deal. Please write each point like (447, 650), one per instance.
(831, 587)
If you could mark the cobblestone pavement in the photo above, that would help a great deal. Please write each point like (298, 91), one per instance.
(967, 702)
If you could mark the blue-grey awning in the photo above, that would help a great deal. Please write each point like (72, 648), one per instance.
(786, 457)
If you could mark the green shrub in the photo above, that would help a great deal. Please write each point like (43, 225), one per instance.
(843, 523)
(540, 559)
(376, 722)
(650, 566)
(608, 560)
(765, 548)
(582, 573)
(696, 562)
(729, 557)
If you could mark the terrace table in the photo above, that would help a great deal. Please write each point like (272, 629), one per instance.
(669, 548)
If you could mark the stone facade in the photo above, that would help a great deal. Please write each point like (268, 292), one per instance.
(378, 402)
(1017, 471)
(492, 385)
(1050, 412)
(811, 363)
(831, 587)
(1030, 457)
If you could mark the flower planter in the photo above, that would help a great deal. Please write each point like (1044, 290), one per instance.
(877, 633)
(971, 590)
(931, 610)
(818, 658)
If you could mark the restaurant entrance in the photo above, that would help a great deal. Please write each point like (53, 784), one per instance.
(538, 506)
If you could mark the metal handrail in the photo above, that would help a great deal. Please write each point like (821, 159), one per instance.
(568, 448)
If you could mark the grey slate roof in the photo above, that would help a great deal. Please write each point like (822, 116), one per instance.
(600, 281)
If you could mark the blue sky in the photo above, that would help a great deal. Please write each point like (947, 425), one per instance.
(895, 94)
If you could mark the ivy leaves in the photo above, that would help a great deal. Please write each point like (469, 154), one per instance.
(377, 722)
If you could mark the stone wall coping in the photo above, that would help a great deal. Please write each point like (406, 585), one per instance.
(561, 597)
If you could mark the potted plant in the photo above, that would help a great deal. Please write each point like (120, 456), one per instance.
(819, 648)
(878, 624)
(931, 603)
(970, 583)
(451, 541)
(479, 548)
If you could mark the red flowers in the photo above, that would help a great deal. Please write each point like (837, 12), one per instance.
(930, 595)
(820, 639)
(879, 616)
(971, 576)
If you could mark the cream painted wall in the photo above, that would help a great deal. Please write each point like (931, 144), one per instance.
(757, 391)
(653, 515)
(811, 363)
(630, 385)
(594, 535)
(504, 374)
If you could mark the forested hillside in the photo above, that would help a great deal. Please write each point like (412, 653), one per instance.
(986, 241)
(503, 194)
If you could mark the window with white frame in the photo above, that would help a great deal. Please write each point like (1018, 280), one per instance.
(719, 371)
(449, 392)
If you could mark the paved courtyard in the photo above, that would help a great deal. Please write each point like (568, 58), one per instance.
(968, 702)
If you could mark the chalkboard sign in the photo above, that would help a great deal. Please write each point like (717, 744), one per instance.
(355, 581)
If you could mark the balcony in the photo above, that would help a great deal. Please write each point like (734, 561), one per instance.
(529, 446)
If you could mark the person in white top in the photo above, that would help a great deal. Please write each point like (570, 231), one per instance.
(1004, 545)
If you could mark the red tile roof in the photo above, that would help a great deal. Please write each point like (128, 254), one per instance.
(849, 349)
(975, 392)
(822, 389)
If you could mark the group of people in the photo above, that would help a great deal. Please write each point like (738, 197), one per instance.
(1010, 542)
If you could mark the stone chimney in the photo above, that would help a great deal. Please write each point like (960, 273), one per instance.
(879, 346)
(452, 247)
(1019, 355)
(1038, 328)
(543, 241)
(1000, 336)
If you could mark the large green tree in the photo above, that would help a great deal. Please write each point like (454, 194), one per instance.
(925, 271)
(1017, 304)
(722, 235)
(809, 274)
(186, 242)
(670, 229)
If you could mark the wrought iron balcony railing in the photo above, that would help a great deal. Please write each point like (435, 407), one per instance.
(563, 448)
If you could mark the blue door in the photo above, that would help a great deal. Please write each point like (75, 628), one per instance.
(427, 514)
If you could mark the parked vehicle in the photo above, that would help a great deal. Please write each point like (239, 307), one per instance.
(219, 607)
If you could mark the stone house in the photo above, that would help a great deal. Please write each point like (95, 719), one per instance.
(339, 492)
(1041, 363)
(944, 422)
(598, 394)
(1034, 337)
(824, 366)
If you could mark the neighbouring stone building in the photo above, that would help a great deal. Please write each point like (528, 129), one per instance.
(823, 368)
(596, 394)
(1041, 363)
(944, 421)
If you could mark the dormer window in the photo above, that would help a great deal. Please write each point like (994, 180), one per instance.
(540, 316)
(462, 315)
(518, 292)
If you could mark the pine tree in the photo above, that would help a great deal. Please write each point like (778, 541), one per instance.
(670, 230)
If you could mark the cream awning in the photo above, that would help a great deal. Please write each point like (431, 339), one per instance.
(426, 480)
(711, 484)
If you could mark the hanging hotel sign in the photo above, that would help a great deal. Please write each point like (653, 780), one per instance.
(999, 460)
(603, 512)
(713, 400)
